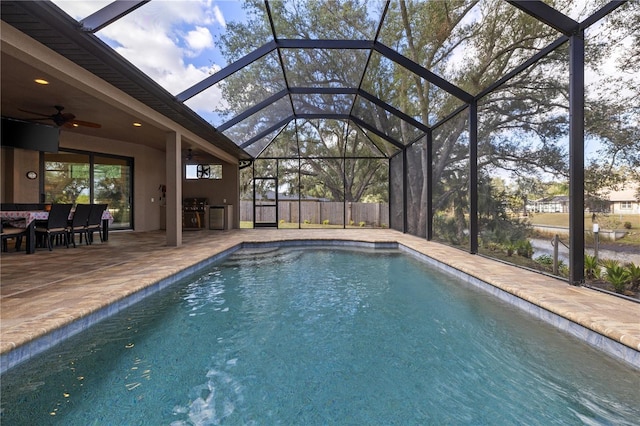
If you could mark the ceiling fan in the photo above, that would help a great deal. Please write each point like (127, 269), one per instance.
(63, 119)
(192, 156)
(203, 171)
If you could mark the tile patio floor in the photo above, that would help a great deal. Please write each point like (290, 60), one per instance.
(45, 291)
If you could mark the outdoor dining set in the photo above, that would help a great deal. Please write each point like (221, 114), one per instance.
(45, 225)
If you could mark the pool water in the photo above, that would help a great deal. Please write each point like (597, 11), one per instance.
(321, 336)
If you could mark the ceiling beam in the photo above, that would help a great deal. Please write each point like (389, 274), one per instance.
(401, 115)
(267, 131)
(248, 113)
(226, 71)
(324, 44)
(417, 69)
(547, 14)
(601, 13)
(109, 14)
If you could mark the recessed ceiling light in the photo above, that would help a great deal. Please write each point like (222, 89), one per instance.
(136, 124)
(41, 81)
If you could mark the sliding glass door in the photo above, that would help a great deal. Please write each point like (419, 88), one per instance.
(85, 177)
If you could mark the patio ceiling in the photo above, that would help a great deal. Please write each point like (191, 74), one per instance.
(305, 77)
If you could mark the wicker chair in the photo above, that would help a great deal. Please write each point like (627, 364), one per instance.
(79, 222)
(95, 221)
(57, 225)
(8, 233)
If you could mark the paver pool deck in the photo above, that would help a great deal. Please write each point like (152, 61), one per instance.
(51, 290)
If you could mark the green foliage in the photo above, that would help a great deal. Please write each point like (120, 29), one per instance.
(307, 222)
(563, 269)
(524, 122)
(616, 275)
(362, 224)
(627, 225)
(446, 229)
(524, 248)
(609, 263)
(632, 275)
(510, 249)
(325, 222)
(545, 259)
(591, 267)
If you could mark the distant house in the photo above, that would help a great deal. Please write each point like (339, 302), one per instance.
(624, 201)
(554, 204)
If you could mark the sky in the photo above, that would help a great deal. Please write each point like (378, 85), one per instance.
(175, 43)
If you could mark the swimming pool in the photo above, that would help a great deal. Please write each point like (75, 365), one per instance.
(320, 336)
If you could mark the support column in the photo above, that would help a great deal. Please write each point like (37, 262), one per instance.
(405, 191)
(429, 171)
(576, 159)
(174, 189)
(473, 177)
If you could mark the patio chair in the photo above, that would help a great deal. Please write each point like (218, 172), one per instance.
(56, 225)
(95, 221)
(78, 224)
(8, 233)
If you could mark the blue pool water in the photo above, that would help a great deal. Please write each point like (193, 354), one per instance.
(321, 336)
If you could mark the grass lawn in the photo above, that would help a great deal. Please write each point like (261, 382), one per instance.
(606, 221)
(288, 225)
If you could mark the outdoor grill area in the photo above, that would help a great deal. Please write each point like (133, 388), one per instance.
(194, 213)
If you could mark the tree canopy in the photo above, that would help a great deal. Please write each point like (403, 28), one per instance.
(523, 122)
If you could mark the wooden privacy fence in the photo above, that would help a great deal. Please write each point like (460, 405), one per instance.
(319, 212)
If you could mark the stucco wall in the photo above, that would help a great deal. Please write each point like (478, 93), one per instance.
(16, 188)
(148, 173)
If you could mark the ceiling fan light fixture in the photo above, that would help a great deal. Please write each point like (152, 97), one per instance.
(41, 81)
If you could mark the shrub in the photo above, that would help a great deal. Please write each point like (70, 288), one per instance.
(282, 221)
(493, 246)
(524, 248)
(544, 259)
(616, 276)
(633, 276)
(591, 267)
(609, 263)
(351, 223)
(563, 269)
(510, 249)
(627, 225)
(306, 221)
(325, 222)
(362, 224)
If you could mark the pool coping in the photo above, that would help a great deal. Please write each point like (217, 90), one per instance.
(623, 347)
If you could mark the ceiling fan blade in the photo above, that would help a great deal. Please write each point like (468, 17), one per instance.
(84, 124)
(36, 113)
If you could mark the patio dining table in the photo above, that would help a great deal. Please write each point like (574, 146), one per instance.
(27, 219)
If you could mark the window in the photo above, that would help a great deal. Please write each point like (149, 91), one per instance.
(72, 176)
(625, 205)
(203, 171)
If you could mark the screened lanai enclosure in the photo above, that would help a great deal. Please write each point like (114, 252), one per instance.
(437, 118)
